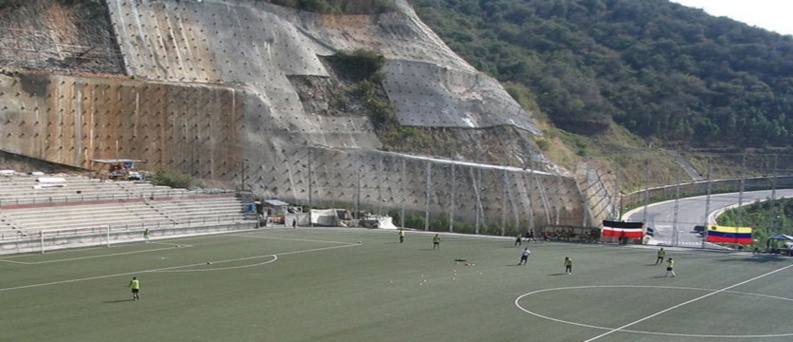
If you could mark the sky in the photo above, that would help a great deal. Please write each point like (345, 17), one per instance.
(772, 15)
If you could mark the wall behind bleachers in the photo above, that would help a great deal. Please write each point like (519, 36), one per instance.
(72, 120)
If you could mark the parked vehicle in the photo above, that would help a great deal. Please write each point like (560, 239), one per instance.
(135, 175)
(699, 230)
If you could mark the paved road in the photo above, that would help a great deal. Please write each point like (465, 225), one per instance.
(674, 222)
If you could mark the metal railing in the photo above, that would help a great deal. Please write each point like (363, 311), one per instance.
(76, 198)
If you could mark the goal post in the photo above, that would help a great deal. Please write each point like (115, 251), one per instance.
(53, 239)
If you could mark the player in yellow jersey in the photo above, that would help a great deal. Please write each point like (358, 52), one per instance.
(670, 267)
(661, 256)
(134, 284)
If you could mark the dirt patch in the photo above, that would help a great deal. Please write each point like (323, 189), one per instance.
(64, 36)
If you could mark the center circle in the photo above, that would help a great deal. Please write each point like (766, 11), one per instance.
(525, 295)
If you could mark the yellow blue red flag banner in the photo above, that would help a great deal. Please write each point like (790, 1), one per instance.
(733, 235)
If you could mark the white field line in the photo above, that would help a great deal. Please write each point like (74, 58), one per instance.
(685, 303)
(97, 256)
(60, 282)
(283, 238)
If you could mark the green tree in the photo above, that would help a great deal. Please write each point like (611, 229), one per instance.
(664, 71)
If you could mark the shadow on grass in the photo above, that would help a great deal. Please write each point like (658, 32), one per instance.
(759, 258)
(118, 301)
(556, 274)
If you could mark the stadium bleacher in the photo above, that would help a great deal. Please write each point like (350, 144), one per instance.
(32, 203)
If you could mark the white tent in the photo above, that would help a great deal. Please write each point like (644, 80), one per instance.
(326, 217)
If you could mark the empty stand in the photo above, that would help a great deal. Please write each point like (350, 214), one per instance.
(30, 204)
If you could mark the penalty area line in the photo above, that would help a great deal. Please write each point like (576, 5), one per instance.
(164, 269)
(172, 246)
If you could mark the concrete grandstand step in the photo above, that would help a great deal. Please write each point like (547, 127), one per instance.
(20, 190)
(89, 214)
(122, 205)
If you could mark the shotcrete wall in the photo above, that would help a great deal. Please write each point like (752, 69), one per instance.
(490, 198)
(208, 93)
(211, 132)
(58, 35)
(600, 190)
(257, 45)
(72, 120)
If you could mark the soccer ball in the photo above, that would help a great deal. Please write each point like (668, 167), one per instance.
(360, 242)
(209, 263)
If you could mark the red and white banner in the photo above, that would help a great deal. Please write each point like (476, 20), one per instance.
(630, 230)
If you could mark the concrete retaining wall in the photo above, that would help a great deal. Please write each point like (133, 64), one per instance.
(198, 129)
(440, 190)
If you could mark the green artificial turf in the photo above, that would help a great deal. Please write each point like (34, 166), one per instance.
(322, 285)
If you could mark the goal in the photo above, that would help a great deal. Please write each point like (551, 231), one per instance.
(54, 239)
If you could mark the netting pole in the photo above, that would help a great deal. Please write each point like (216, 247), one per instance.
(108, 235)
(427, 197)
(504, 203)
(404, 189)
(707, 206)
(451, 207)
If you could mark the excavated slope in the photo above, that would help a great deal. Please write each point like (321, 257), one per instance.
(207, 91)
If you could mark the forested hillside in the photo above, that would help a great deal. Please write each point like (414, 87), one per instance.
(661, 70)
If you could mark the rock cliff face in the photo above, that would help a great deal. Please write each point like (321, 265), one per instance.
(238, 92)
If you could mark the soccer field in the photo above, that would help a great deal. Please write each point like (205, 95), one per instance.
(322, 285)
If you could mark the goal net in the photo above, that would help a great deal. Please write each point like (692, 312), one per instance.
(54, 239)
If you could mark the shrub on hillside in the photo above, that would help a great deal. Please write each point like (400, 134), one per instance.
(358, 65)
(172, 179)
